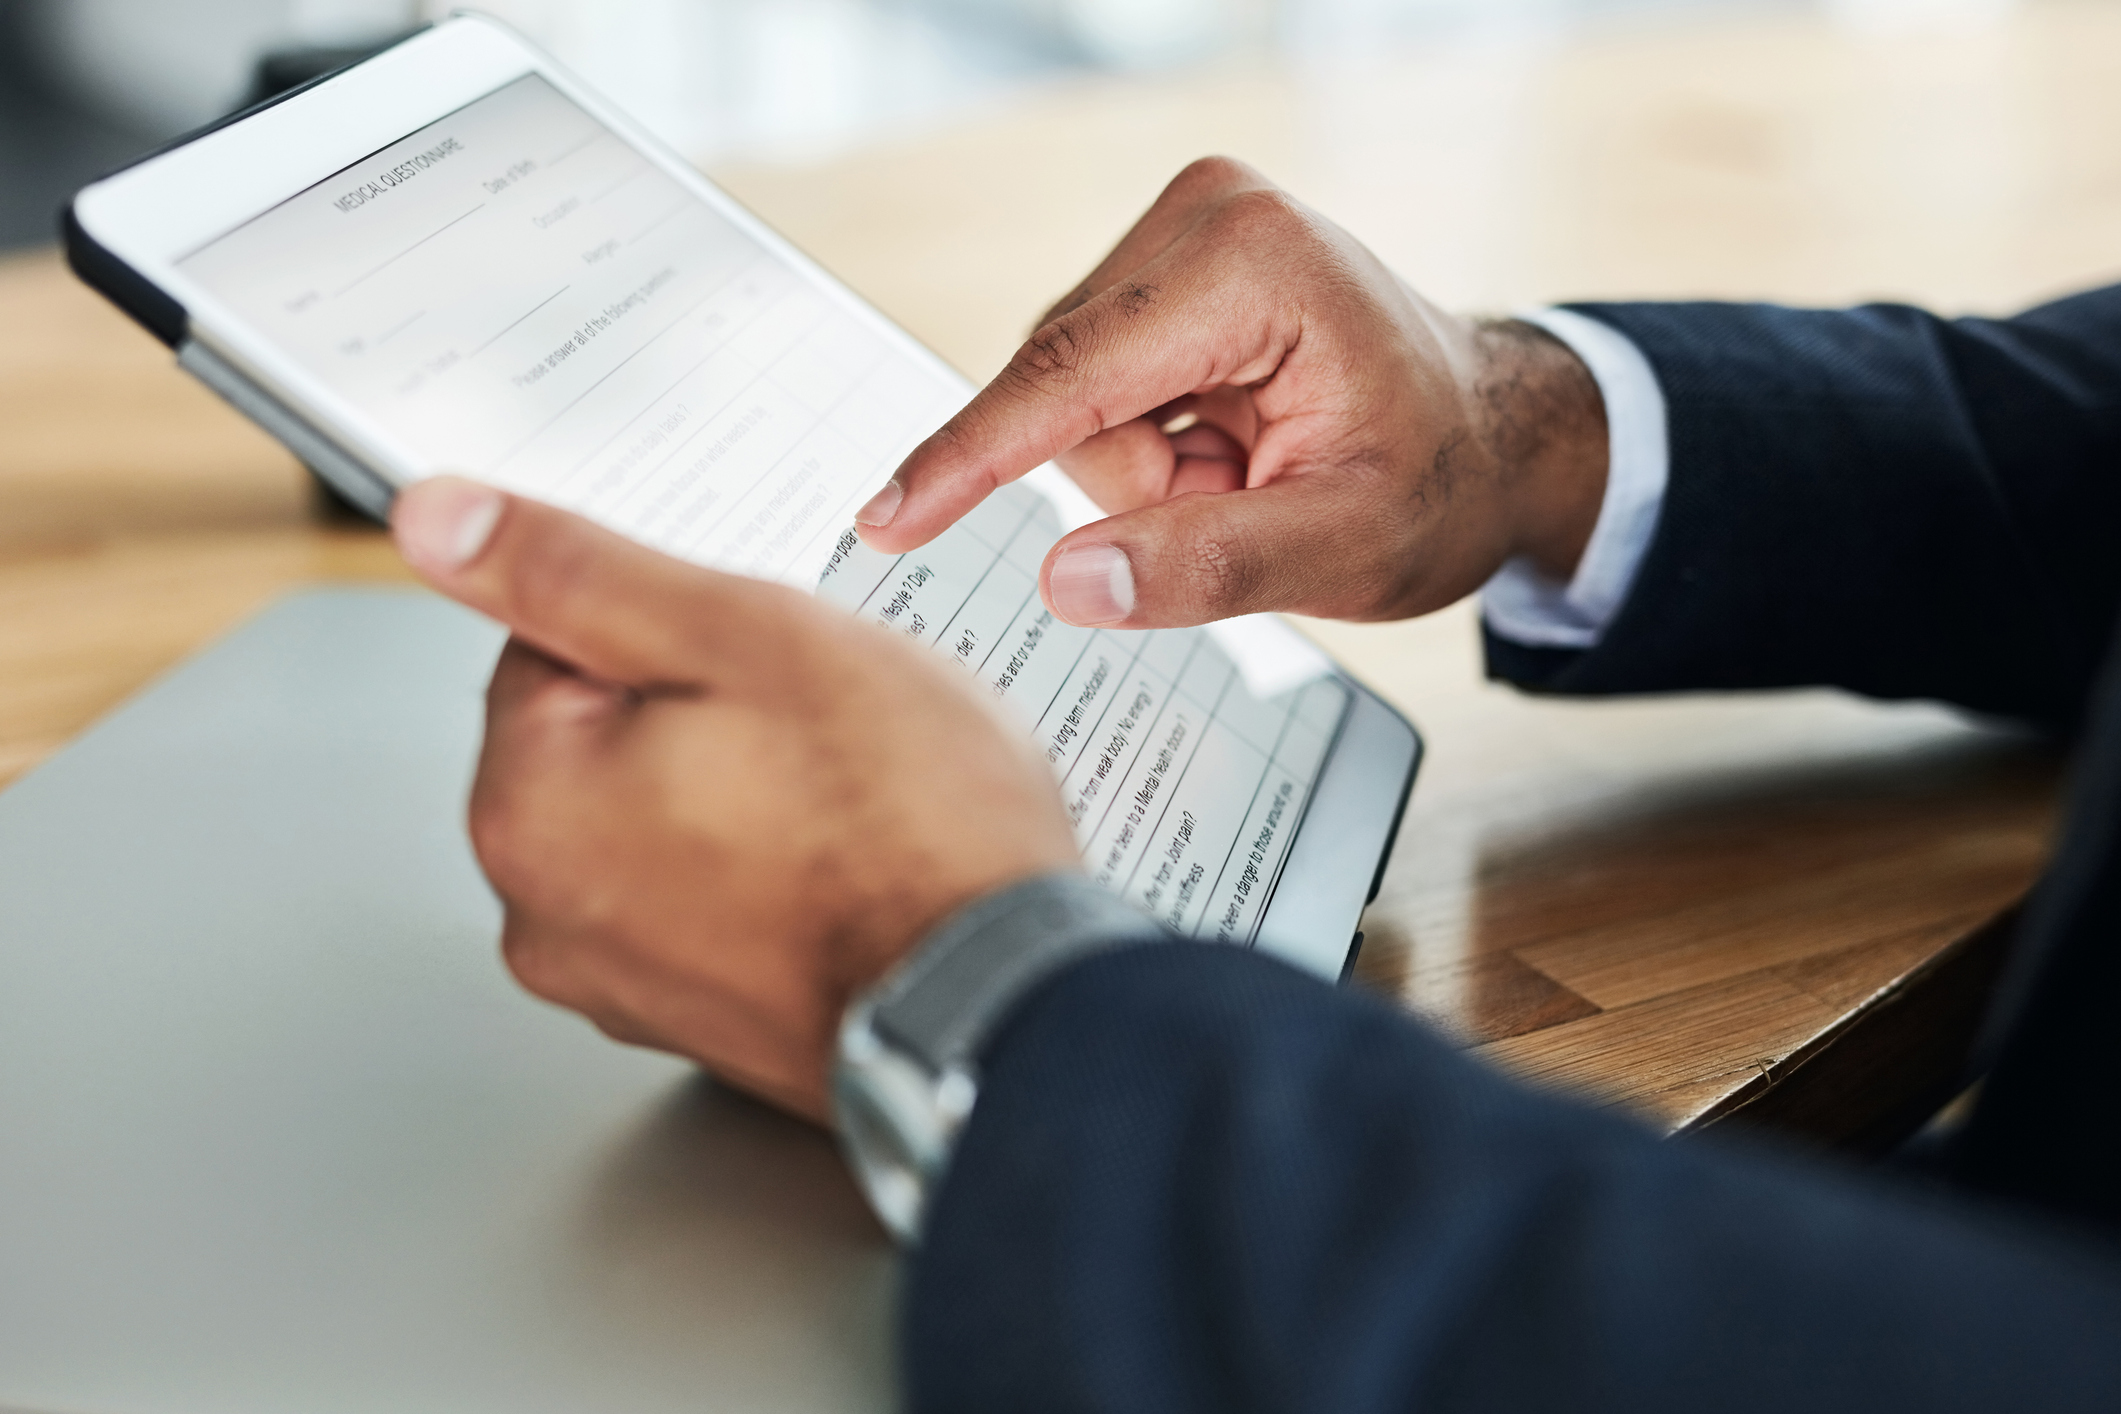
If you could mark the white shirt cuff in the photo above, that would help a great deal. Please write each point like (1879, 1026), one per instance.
(1527, 607)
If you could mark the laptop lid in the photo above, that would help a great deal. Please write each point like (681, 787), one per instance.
(278, 1135)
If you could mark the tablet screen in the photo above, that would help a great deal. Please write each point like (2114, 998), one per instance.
(517, 293)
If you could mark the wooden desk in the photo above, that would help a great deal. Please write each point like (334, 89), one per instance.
(1768, 906)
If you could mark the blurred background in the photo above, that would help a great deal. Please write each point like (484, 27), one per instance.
(962, 163)
(85, 84)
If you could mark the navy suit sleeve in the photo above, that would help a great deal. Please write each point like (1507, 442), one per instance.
(1875, 499)
(1197, 1180)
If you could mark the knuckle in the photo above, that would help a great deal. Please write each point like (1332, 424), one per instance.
(624, 1029)
(1221, 572)
(1075, 299)
(1050, 369)
(512, 833)
(497, 838)
(530, 959)
(1134, 297)
(1054, 351)
(1260, 212)
(1211, 173)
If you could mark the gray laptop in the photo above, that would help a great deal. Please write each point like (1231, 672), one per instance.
(278, 1135)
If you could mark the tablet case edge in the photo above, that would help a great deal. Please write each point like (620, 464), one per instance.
(150, 307)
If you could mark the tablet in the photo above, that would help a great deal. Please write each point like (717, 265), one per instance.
(454, 257)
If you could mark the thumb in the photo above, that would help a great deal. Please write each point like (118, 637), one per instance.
(1297, 544)
(614, 609)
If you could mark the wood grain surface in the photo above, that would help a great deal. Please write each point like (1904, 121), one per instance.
(1768, 907)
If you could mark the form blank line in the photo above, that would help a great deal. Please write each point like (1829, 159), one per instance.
(688, 204)
(410, 249)
(512, 323)
(635, 175)
(506, 456)
(556, 161)
(400, 328)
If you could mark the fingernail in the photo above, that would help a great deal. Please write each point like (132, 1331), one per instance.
(443, 524)
(882, 506)
(1092, 585)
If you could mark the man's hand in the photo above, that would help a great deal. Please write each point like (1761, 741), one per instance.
(714, 808)
(1274, 421)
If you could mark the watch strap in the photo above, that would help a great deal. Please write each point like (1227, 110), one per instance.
(944, 1002)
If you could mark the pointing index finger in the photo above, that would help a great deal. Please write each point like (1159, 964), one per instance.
(1185, 322)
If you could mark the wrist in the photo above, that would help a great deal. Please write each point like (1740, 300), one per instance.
(910, 1049)
(1539, 413)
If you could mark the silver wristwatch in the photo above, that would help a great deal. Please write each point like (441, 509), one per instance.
(907, 1071)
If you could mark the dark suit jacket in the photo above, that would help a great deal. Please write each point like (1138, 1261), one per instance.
(1198, 1181)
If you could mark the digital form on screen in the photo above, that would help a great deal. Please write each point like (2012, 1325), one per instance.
(517, 293)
